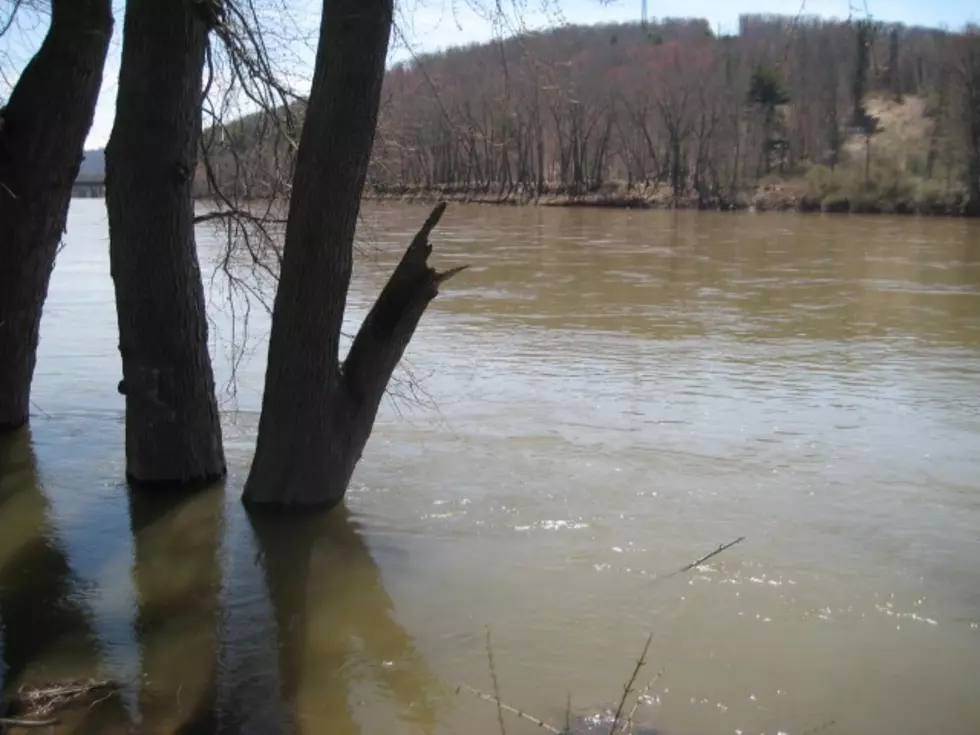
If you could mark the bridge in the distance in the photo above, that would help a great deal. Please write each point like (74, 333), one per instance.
(92, 187)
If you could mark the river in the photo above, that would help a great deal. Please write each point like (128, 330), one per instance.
(604, 397)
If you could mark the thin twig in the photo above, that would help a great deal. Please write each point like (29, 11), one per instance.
(627, 689)
(513, 710)
(699, 562)
(642, 660)
(629, 684)
(19, 722)
(10, 20)
(493, 670)
(40, 410)
(100, 700)
(40, 701)
(236, 213)
(820, 728)
(639, 698)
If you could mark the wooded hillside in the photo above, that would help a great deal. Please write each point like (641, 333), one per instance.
(671, 110)
(791, 112)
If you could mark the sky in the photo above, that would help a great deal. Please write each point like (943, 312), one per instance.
(429, 25)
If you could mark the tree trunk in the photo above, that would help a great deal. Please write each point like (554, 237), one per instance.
(306, 458)
(42, 137)
(173, 432)
(316, 414)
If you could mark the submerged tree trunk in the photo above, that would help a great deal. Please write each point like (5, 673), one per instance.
(42, 136)
(317, 414)
(173, 433)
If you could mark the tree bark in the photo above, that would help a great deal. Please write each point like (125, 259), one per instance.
(334, 430)
(317, 415)
(42, 138)
(173, 431)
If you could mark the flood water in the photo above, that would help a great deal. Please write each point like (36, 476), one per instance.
(602, 398)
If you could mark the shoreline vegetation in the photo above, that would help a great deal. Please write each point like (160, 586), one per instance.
(895, 198)
(826, 197)
(788, 114)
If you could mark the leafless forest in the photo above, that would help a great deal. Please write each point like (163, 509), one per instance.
(792, 112)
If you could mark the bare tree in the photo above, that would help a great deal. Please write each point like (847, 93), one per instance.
(42, 135)
(967, 68)
(173, 430)
(157, 161)
(317, 413)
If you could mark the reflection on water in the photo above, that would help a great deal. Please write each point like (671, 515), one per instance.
(46, 628)
(177, 583)
(607, 396)
(331, 619)
(335, 626)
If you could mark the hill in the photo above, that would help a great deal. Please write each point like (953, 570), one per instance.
(93, 166)
(792, 112)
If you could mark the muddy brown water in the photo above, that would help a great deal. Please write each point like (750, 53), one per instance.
(605, 396)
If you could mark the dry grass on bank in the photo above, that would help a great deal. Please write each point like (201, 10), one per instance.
(908, 167)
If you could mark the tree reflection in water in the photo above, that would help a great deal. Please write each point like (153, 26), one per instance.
(337, 634)
(46, 630)
(177, 578)
(335, 657)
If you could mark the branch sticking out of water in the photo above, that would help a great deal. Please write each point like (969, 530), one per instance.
(820, 728)
(698, 562)
(628, 724)
(703, 559)
(629, 684)
(628, 727)
(496, 685)
(513, 710)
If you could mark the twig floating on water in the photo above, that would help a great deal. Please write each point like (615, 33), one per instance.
(699, 562)
(41, 701)
(513, 710)
(820, 728)
(496, 684)
(19, 722)
(703, 559)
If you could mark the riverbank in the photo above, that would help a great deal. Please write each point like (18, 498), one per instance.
(820, 190)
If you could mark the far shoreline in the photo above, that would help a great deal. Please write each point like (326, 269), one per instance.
(765, 199)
